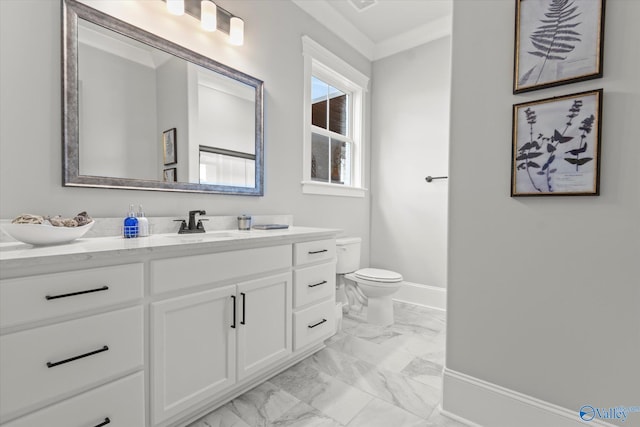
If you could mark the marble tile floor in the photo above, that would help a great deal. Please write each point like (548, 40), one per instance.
(367, 376)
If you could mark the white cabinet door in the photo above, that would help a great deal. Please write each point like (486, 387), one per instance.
(264, 322)
(193, 349)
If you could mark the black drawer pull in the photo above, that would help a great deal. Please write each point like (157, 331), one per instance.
(104, 288)
(317, 324)
(91, 353)
(317, 284)
(233, 325)
(317, 252)
(244, 297)
(104, 423)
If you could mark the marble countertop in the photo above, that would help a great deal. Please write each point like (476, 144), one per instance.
(19, 255)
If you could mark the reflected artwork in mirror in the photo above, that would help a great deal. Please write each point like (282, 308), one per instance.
(126, 90)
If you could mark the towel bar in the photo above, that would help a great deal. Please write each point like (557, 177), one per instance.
(431, 178)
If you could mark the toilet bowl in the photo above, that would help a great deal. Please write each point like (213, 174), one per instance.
(377, 286)
(370, 287)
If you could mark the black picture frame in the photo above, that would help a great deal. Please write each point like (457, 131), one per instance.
(556, 146)
(169, 147)
(557, 42)
(170, 175)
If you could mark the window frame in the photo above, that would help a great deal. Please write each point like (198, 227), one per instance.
(326, 66)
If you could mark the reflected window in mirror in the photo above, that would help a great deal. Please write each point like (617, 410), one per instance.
(334, 124)
(226, 167)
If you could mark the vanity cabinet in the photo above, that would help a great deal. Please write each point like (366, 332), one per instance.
(314, 292)
(306, 253)
(157, 336)
(205, 342)
(67, 334)
(30, 299)
(120, 403)
(192, 348)
(263, 323)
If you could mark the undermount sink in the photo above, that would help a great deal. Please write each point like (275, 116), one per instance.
(203, 237)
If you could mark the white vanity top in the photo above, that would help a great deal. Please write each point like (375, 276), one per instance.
(19, 255)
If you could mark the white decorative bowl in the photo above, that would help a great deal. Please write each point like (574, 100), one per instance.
(39, 234)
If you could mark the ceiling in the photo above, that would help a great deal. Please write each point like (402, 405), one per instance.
(379, 28)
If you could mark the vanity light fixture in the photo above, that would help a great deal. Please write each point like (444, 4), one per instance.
(208, 15)
(236, 31)
(175, 7)
(211, 16)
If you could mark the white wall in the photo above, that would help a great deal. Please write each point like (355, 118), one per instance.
(544, 292)
(410, 140)
(117, 115)
(30, 114)
(173, 112)
(225, 120)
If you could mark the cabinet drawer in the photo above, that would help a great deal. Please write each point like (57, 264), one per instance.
(40, 364)
(313, 324)
(34, 298)
(121, 402)
(313, 284)
(180, 273)
(310, 252)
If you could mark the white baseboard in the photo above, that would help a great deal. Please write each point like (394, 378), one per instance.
(477, 403)
(424, 295)
(454, 417)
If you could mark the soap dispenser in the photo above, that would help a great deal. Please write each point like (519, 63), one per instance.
(143, 223)
(130, 224)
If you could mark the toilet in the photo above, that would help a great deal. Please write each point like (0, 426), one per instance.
(370, 287)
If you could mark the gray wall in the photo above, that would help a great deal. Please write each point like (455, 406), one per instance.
(30, 116)
(410, 140)
(172, 113)
(543, 293)
(117, 115)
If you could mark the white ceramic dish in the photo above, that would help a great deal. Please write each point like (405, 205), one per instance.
(39, 234)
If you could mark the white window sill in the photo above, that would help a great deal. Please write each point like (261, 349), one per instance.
(313, 187)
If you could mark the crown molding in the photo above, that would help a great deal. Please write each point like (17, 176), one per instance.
(340, 26)
(413, 38)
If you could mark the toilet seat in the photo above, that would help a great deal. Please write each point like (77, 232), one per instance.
(377, 277)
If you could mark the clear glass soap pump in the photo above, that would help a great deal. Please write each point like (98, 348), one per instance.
(143, 223)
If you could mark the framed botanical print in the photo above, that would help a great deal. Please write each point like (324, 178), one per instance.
(557, 42)
(170, 175)
(169, 142)
(556, 146)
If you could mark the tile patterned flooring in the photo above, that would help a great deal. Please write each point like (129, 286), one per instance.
(367, 376)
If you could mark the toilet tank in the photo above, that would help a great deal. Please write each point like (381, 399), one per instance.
(348, 254)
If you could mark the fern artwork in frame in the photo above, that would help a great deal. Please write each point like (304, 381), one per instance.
(557, 42)
(556, 146)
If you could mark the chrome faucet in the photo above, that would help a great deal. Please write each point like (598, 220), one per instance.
(192, 227)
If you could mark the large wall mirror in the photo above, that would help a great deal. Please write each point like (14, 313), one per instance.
(141, 112)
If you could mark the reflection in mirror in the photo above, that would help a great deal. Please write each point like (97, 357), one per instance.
(131, 88)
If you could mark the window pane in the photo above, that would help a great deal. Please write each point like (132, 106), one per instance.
(319, 95)
(340, 162)
(337, 111)
(221, 169)
(319, 158)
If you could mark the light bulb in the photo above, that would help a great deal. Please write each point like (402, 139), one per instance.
(208, 15)
(175, 7)
(236, 31)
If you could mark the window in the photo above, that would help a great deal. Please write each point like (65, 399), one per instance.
(334, 123)
(226, 167)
